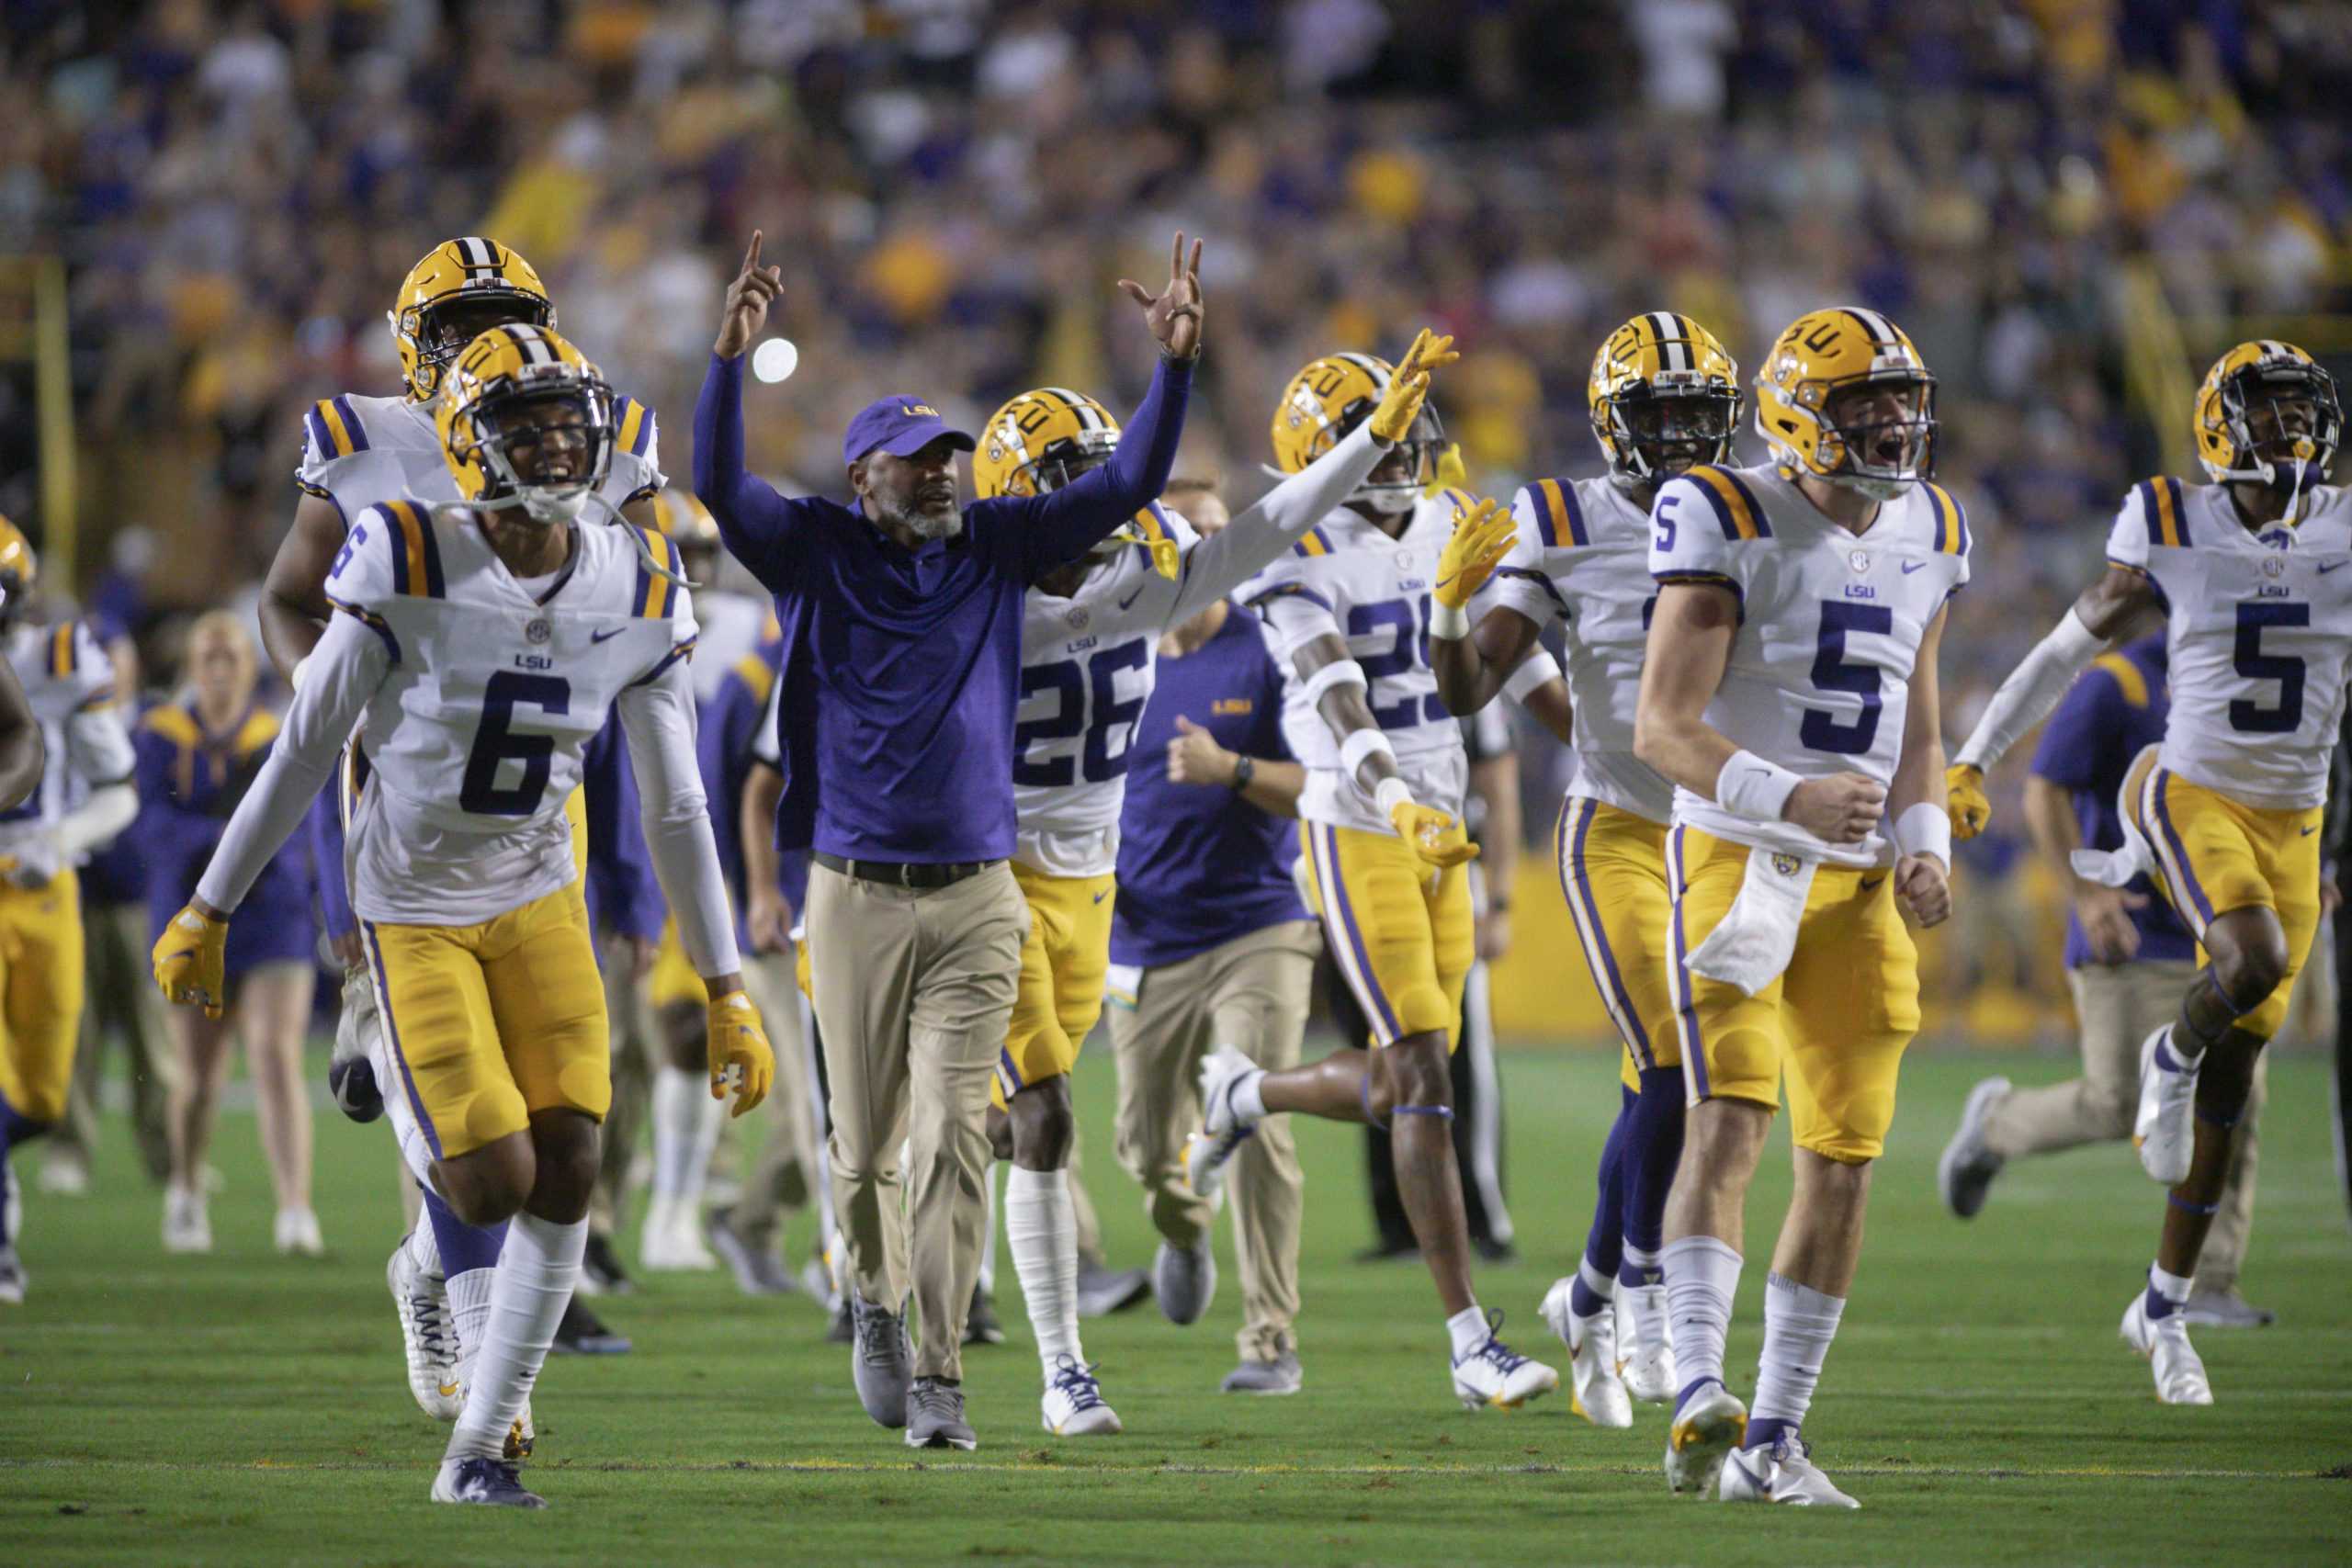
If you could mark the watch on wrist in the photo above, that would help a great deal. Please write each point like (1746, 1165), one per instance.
(1244, 770)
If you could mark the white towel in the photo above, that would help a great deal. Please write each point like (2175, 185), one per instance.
(2116, 868)
(1755, 939)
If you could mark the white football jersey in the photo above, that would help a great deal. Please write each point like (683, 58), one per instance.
(475, 739)
(733, 625)
(359, 451)
(69, 682)
(1373, 591)
(2259, 629)
(1582, 557)
(1819, 678)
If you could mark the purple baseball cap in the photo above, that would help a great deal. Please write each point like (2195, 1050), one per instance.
(900, 425)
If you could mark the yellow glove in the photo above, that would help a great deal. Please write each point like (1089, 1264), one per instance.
(1482, 537)
(1964, 791)
(190, 958)
(1400, 405)
(1440, 840)
(739, 1046)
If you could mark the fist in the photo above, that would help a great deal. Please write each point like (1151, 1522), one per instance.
(1440, 840)
(1966, 799)
(1195, 758)
(1843, 808)
(1921, 888)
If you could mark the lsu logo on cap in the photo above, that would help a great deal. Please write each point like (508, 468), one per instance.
(914, 410)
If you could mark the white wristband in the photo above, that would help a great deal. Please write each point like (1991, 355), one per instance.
(1392, 793)
(1360, 744)
(1751, 787)
(1338, 673)
(1450, 622)
(1925, 830)
(1533, 671)
(301, 668)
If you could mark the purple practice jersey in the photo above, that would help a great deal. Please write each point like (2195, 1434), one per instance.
(1199, 865)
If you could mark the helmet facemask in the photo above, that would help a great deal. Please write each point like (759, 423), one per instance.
(545, 451)
(442, 329)
(1412, 464)
(2285, 422)
(1656, 432)
(1886, 442)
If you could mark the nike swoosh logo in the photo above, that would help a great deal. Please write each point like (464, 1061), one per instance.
(1911, 566)
(1131, 598)
(1869, 884)
(2332, 566)
(600, 637)
(2309, 830)
(1104, 894)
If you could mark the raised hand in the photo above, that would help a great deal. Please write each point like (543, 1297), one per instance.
(1400, 405)
(1482, 537)
(1175, 314)
(748, 296)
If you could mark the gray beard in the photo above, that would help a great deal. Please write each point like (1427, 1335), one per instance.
(927, 526)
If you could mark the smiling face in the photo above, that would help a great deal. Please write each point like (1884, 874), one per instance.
(919, 493)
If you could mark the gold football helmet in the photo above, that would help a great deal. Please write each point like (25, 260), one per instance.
(525, 421)
(681, 514)
(461, 289)
(1844, 395)
(1040, 441)
(1327, 400)
(2267, 406)
(19, 570)
(1665, 396)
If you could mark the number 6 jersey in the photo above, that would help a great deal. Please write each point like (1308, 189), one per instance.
(1819, 677)
(2260, 624)
(1347, 578)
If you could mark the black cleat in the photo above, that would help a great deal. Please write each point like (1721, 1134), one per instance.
(980, 1326)
(483, 1481)
(583, 1333)
(600, 1267)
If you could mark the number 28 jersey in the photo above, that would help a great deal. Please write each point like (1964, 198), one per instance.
(2260, 624)
(475, 739)
(1830, 625)
(1349, 578)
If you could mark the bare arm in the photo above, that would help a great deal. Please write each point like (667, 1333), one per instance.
(764, 907)
(1195, 758)
(2105, 912)
(640, 512)
(1922, 877)
(2107, 605)
(1345, 709)
(294, 607)
(1471, 669)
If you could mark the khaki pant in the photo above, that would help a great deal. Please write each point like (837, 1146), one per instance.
(784, 1179)
(121, 999)
(914, 991)
(1251, 994)
(2120, 1006)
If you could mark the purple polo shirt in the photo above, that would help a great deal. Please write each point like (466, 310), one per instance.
(901, 668)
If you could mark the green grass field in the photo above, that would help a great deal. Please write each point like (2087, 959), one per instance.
(239, 1409)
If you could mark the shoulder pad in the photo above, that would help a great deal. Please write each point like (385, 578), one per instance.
(633, 427)
(2164, 508)
(1734, 505)
(415, 545)
(334, 429)
(655, 597)
(1314, 542)
(1950, 520)
(1559, 516)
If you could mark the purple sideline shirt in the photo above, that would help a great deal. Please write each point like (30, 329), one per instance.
(1199, 866)
(2099, 727)
(901, 668)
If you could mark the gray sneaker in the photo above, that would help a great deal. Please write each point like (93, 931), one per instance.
(881, 1361)
(2226, 1309)
(1280, 1375)
(1101, 1291)
(758, 1270)
(935, 1416)
(1967, 1168)
(1184, 1280)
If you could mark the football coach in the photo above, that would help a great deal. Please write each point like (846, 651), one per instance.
(902, 616)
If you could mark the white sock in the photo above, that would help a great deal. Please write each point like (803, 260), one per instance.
(1640, 1261)
(1469, 1330)
(1599, 1284)
(1649, 1324)
(1042, 1227)
(1249, 1102)
(535, 1273)
(469, 1313)
(987, 1281)
(709, 1120)
(1702, 1276)
(422, 1249)
(1799, 1324)
(674, 1122)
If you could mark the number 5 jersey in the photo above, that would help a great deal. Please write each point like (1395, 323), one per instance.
(1819, 676)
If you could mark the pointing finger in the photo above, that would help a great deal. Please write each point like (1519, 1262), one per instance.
(751, 256)
(1193, 273)
(1176, 259)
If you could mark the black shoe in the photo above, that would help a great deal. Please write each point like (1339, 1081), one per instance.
(843, 1329)
(1492, 1251)
(1101, 1291)
(583, 1333)
(1389, 1252)
(980, 1326)
(600, 1267)
(352, 1084)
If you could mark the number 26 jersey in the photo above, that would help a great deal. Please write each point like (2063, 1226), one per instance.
(475, 738)
(1819, 677)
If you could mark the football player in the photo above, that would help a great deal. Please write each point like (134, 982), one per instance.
(1346, 612)
(1090, 644)
(65, 685)
(485, 643)
(2225, 812)
(1664, 396)
(357, 452)
(1788, 692)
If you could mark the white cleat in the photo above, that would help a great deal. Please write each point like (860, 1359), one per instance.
(187, 1221)
(1643, 1323)
(2180, 1374)
(427, 1336)
(1783, 1472)
(1964, 1174)
(1223, 1130)
(12, 1277)
(493, 1483)
(1073, 1406)
(1708, 1426)
(673, 1241)
(1595, 1391)
(2165, 1131)
(1497, 1377)
(297, 1234)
